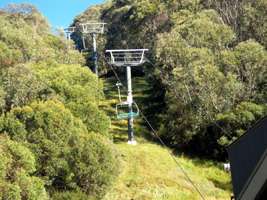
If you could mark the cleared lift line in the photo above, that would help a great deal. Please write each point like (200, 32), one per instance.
(127, 58)
(155, 134)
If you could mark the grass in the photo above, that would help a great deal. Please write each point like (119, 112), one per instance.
(147, 170)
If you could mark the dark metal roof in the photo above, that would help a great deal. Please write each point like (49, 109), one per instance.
(245, 155)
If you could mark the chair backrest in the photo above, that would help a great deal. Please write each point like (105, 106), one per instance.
(123, 113)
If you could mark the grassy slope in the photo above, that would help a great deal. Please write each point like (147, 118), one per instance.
(148, 172)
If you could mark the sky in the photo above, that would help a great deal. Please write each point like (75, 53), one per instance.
(59, 13)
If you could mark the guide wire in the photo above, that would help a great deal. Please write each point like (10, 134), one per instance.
(155, 134)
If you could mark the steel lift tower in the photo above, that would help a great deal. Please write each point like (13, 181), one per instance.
(68, 31)
(127, 58)
(92, 29)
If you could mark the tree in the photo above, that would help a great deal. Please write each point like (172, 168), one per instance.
(248, 60)
(246, 17)
(199, 86)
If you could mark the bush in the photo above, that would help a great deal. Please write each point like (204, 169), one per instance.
(226, 128)
(21, 86)
(16, 166)
(94, 119)
(240, 119)
(74, 195)
(67, 157)
(80, 90)
(26, 38)
(47, 128)
(94, 163)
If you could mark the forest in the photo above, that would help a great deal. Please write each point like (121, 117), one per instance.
(207, 73)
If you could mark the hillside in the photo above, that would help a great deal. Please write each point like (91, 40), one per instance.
(148, 172)
(201, 85)
(207, 64)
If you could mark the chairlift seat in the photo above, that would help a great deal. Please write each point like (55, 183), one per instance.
(127, 115)
(123, 113)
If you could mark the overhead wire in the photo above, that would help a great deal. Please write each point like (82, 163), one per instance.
(155, 134)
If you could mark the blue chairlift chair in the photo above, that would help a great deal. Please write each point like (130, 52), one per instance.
(122, 110)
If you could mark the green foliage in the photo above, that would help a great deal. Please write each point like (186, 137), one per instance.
(247, 18)
(47, 128)
(28, 13)
(74, 195)
(67, 157)
(49, 103)
(254, 22)
(145, 8)
(21, 86)
(9, 57)
(239, 119)
(94, 119)
(94, 164)
(80, 90)
(203, 29)
(204, 77)
(26, 38)
(196, 88)
(17, 165)
(248, 60)
(2, 99)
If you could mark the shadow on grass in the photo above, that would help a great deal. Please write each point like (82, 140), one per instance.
(141, 91)
(221, 184)
(119, 135)
(119, 139)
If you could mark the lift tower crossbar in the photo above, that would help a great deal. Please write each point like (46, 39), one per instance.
(68, 31)
(93, 29)
(128, 58)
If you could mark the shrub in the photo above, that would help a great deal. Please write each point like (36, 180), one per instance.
(68, 158)
(16, 166)
(74, 195)
(226, 128)
(239, 119)
(94, 163)
(26, 38)
(21, 86)
(47, 128)
(80, 90)
(94, 119)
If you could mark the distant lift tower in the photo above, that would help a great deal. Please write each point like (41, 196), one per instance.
(127, 58)
(68, 31)
(93, 29)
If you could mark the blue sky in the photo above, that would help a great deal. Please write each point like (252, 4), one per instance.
(59, 13)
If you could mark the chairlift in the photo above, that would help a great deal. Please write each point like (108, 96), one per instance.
(122, 110)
